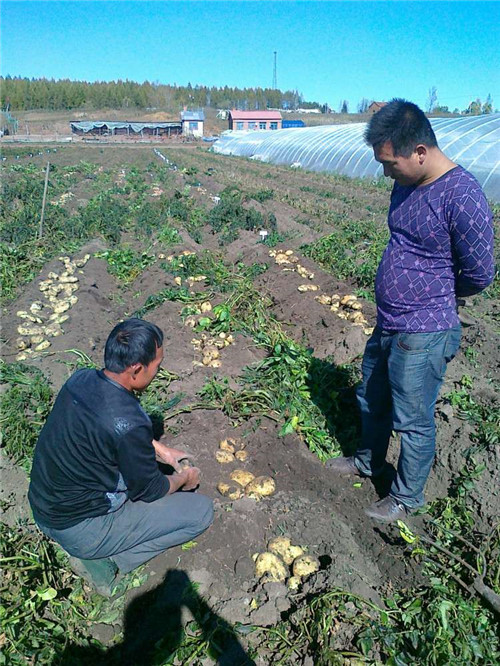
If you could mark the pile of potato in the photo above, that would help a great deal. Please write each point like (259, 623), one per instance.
(346, 307)
(44, 319)
(210, 348)
(288, 258)
(283, 561)
(242, 482)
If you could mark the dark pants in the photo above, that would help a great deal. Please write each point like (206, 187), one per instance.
(402, 375)
(137, 531)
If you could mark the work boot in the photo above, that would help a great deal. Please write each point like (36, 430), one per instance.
(388, 510)
(343, 466)
(99, 574)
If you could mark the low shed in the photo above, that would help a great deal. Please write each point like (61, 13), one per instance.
(128, 128)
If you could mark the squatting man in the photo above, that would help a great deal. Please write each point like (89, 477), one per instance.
(96, 487)
(440, 250)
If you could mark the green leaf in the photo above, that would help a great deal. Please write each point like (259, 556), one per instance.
(47, 594)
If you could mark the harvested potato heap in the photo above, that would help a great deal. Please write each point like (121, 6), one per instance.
(44, 320)
(242, 482)
(346, 307)
(284, 561)
(209, 347)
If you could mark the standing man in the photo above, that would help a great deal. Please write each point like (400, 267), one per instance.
(95, 486)
(440, 249)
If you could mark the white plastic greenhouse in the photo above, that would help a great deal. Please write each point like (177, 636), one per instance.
(473, 142)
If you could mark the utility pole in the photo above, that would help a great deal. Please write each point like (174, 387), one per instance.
(275, 76)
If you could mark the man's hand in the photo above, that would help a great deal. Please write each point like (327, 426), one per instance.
(188, 479)
(170, 456)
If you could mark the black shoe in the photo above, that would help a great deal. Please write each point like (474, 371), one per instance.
(343, 466)
(388, 510)
(100, 574)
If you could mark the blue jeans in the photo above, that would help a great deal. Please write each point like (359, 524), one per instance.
(137, 531)
(402, 375)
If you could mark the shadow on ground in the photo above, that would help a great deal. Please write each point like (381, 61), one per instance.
(154, 630)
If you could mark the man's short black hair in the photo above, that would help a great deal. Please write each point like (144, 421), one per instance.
(403, 124)
(132, 341)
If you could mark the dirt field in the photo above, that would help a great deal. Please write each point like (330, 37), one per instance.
(319, 513)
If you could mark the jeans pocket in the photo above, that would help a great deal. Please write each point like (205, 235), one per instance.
(417, 343)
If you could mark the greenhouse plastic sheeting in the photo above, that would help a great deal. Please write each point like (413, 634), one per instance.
(473, 142)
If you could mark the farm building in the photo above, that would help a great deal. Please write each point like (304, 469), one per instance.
(254, 120)
(472, 141)
(127, 128)
(192, 122)
(375, 106)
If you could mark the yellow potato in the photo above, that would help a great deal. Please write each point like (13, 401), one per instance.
(36, 306)
(230, 490)
(323, 299)
(206, 306)
(36, 339)
(21, 343)
(178, 281)
(305, 565)
(30, 330)
(294, 583)
(43, 345)
(368, 331)
(215, 363)
(347, 298)
(269, 566)
(53, 276)
(224, 456)
(53, 330)
(283, 547)
(242, 477)
(241, 455)
(227, 445)
(261, 486)
(288, 253)
(61, 307)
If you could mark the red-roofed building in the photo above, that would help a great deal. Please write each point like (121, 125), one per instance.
(376, 106)
(254, 120)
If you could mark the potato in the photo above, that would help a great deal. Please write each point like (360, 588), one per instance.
(281, 258)
(53, 276)
(323, 299)
(308, 287)
(44, 285)
(230, 490)
(22, 343)
(283, 547)
(368, 331)
(53, 330)
(61, 307)
(227, 445)
(30, 330)
(43, 345)
(215, 363)
(178, 281)
(224, 457)
(347, 298)
(36, 306)
(270, 566)
(242, 477)
(305, 565)
(288, 253)
(72, 300)
(83, 261)
(36, 339)
(294, 583)
(261, 486)
(241, 455)
(206, 306)
(58, 318)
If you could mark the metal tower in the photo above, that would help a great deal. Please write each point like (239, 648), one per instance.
(275, 76)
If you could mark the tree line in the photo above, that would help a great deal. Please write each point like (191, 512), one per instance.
(23, 94)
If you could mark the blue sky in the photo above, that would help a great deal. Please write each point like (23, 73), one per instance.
(327, 50)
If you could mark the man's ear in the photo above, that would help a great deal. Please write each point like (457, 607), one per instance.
(136, 369)
(422, 153)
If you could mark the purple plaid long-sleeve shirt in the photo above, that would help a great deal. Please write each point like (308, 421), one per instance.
(440, 248)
